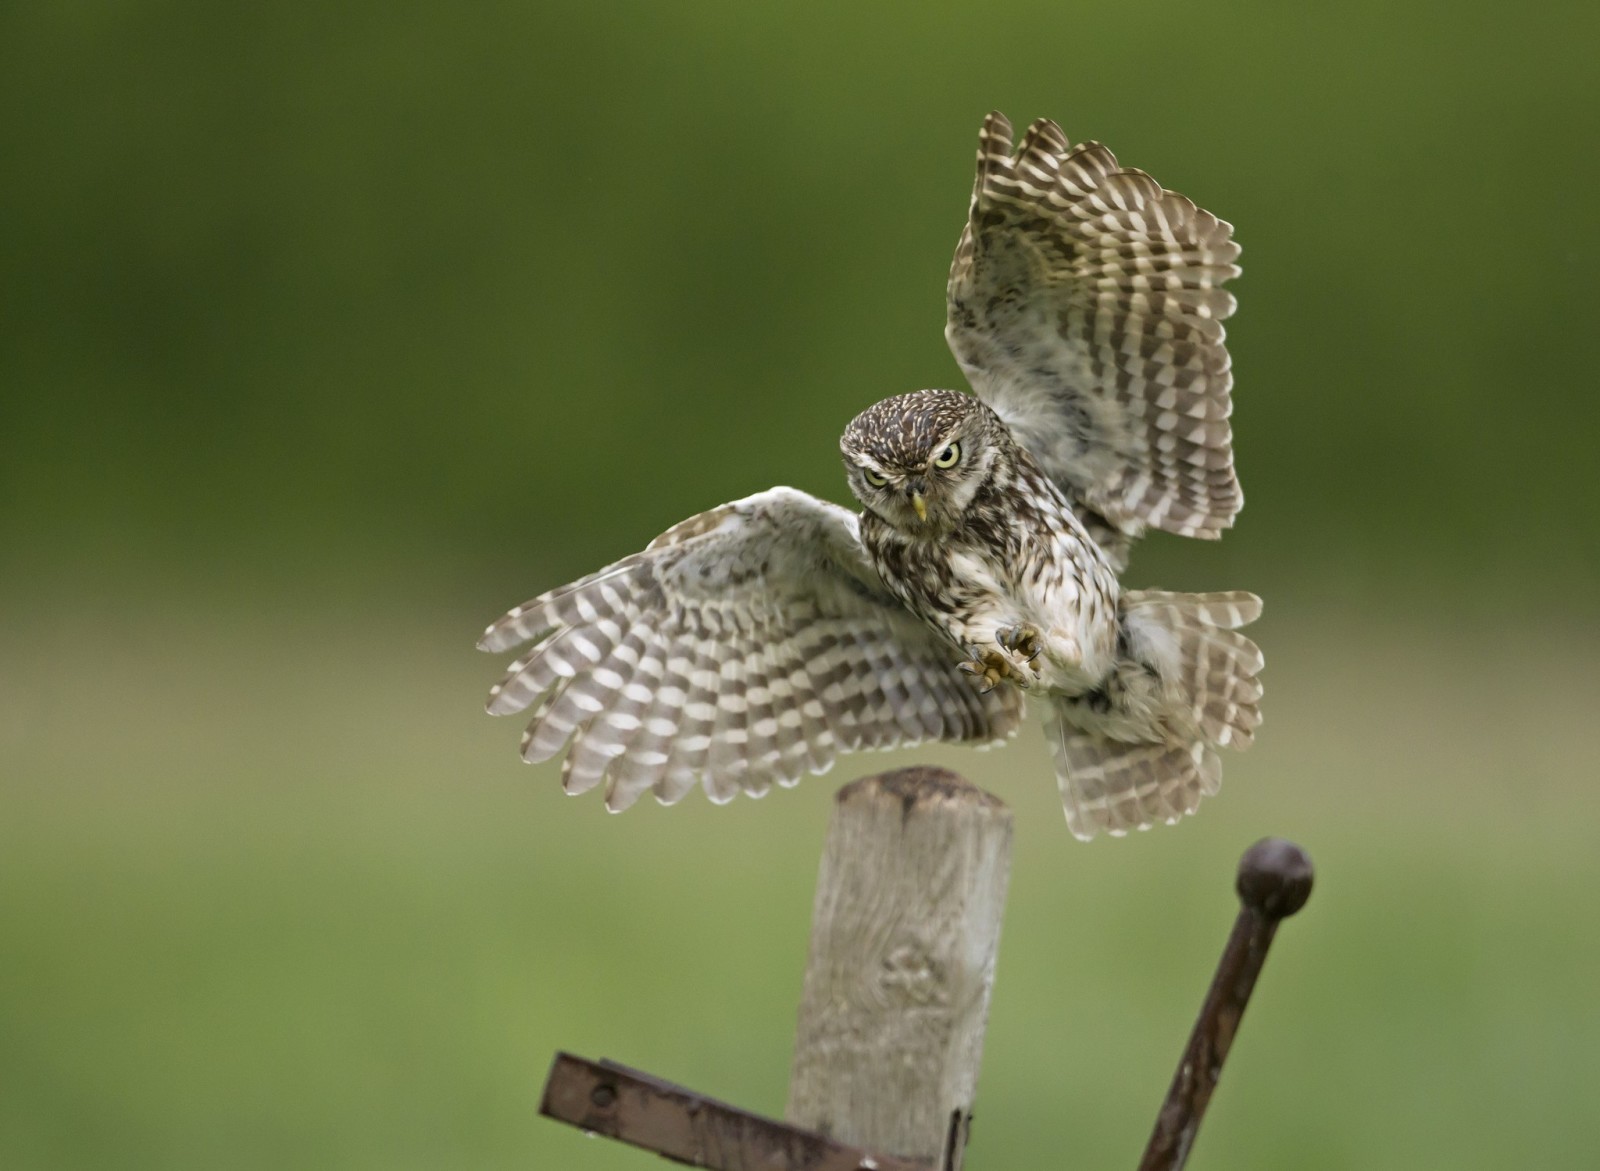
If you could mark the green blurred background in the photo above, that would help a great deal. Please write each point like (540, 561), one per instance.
(329, 332)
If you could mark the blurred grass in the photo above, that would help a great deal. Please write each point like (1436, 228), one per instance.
(282, 895)
(327, 332)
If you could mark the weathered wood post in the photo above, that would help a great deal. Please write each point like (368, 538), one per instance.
(903, 940)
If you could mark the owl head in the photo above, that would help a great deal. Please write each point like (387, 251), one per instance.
(918, 460)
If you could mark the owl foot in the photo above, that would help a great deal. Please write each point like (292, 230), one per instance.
(988, 669)
(1022, 639)
(991, 668)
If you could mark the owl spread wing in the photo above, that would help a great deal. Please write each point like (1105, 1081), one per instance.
(747, 645)
(1086, 308)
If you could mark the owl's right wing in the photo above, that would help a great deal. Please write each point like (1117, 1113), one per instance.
(1086, 308)
(746, 645)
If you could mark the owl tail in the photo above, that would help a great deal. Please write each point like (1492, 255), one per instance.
(1142, 748)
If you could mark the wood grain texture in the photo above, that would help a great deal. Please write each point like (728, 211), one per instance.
(903, 941)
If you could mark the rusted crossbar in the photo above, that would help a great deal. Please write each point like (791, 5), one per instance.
(602, 1097)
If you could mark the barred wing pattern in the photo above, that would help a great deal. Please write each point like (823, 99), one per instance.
(746, 645)
(1114, 786)
(1085, 307)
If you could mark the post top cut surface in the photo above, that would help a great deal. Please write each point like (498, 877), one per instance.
(920, 784)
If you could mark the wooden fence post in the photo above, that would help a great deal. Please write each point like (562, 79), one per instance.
(903, 940)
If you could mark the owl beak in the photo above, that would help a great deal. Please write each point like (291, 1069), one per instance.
(920, 505)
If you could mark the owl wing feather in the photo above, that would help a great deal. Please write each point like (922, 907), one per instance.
(1211, 671)
(1086, 308)
(745, 646)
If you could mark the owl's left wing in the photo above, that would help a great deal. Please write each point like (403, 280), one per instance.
(1086, 308)
(746, 645)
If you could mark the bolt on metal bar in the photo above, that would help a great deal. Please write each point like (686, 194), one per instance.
(1274, 882)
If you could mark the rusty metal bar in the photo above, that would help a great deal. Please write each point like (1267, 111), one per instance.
(633, 1107)
(1274, 882)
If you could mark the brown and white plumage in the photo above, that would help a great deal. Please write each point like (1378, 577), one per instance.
(752, 643)
(1117, 783)
(745, 646)
(1086, 307)
(1140, 687)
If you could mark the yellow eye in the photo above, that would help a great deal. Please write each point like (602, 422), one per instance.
(876, 479)
(949, 457)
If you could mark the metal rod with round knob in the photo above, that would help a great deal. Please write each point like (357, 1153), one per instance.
(1274, 882)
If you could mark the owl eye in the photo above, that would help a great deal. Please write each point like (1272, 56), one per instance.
(949, 457)
(876, 479)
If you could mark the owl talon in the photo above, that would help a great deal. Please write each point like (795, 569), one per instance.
(985, 677)
(1022, 639)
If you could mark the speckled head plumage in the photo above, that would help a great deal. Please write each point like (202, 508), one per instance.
(918, 460)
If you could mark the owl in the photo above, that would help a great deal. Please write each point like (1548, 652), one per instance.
(751, 644)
